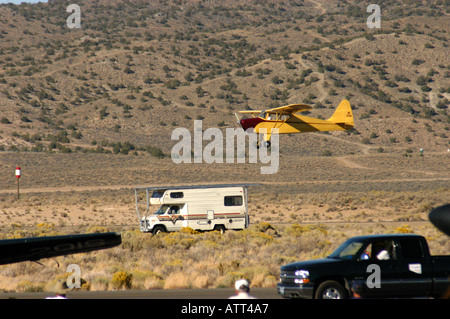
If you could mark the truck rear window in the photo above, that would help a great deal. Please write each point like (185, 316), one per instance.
(411, 249)
(233, 200)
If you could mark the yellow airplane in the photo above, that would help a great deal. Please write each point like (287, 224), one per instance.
(287, 121)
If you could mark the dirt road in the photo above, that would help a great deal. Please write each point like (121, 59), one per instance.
(222, 293)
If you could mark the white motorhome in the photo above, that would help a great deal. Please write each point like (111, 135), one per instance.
(201, 207)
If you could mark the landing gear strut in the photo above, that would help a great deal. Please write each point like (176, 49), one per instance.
(266, 144)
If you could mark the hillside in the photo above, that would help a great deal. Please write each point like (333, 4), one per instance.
(136, 70)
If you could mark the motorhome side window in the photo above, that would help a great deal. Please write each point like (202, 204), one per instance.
(233, 200)
(176, 195)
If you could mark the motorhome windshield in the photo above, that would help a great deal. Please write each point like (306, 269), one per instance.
(162, 210)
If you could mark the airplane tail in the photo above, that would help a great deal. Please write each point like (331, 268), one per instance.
(343, 116)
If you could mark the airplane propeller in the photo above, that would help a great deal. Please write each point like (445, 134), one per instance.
(238, 119)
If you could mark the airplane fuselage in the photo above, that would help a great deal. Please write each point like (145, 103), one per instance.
(295, 124)
(286, 120)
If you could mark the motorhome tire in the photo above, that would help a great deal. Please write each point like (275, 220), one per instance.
(220, 228)
(158, 229)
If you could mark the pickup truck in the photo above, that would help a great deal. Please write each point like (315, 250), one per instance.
(401, 262)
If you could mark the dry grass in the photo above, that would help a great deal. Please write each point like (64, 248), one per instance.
(206, 260)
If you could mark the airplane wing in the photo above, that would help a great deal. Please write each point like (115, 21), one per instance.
(35, 248)
(250, 112)
(289, 109)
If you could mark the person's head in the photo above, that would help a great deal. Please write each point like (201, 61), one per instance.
(242, 285)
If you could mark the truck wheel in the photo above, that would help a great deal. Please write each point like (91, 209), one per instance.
(158, 229)
(331, 289)
(220, 228)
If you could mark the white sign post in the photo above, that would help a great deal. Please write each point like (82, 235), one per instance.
(18, 178)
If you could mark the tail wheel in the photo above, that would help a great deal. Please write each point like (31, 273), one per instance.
(331, 289)
(220, 228)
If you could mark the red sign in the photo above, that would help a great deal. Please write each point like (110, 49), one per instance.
(17, 172)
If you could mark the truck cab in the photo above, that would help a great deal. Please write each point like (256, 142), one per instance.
(396, 265)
